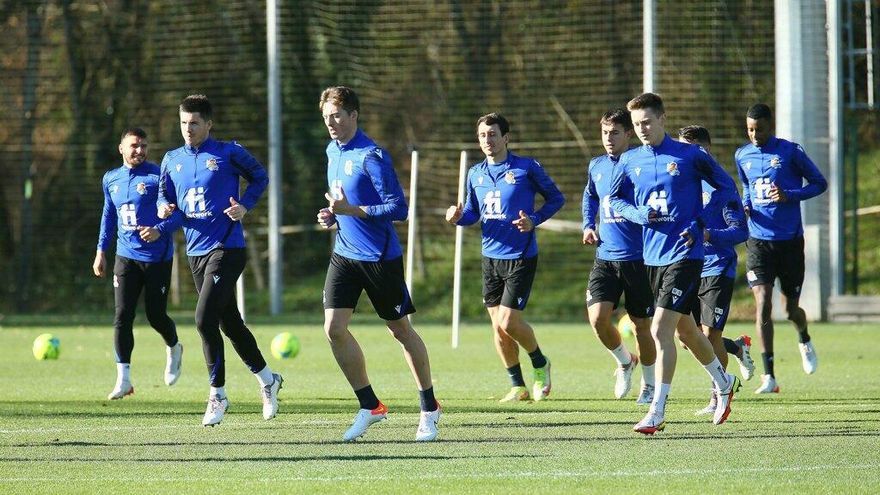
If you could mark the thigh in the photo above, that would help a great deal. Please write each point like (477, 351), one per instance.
(157, 282)
(128, 281)
(678, 286)
(761, 262)
(639, 299)
(386, 287)
(222, 269)
(605, 284)
(791, 268)
(715, 296)
(493, 282)
(343, 284)
(520, 274)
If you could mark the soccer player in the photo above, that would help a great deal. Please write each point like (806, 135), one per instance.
(665, 176)
(144, 250)
(722, 232)
(773, 171)
(200, 185)
(501, 195)
(619, 267)
(365, 198)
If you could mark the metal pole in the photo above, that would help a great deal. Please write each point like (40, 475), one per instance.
(413, 220)
(274, 93)
(835, 149)
(649, 43)
(459, 237)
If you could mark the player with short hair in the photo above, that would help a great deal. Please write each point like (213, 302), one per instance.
(665, 176)
(722, 233)
(501, 195)
(365, 199)
(619, 268)
(144, 251)
(200, 185)
(772, 171)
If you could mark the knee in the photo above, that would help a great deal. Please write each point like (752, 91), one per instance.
(600, 320)
(400, 329)
(334, 330)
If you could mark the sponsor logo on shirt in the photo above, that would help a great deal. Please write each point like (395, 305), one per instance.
(348, 167)
(672, 168)
(509, 177)
(141, 188)
(211, 165)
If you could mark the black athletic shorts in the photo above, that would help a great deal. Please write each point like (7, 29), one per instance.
(675, 286)
(508, 282)
(713, 301)
(767, 260)
(610, 279)
(383, 281)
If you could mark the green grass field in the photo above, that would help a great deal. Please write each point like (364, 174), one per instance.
(58, 434)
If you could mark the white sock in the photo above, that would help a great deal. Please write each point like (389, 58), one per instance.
(123, 372)
(621, 355)
(648, 374)
(219, 392)
(658, 406)
(264, 376)
(719, 376)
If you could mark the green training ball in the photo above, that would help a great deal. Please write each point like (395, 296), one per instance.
(285, 346)
(626, 327)
(47, 346)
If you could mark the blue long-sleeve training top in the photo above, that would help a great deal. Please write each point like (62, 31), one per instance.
(200, 181)
(726, 229)
(785, 164)
(130, 201)
(619, 239)
(666, 181)
(364, 173)
(497, 193)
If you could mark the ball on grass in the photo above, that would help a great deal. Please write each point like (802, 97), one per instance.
(285, 346)
(626, 327)
(47, 346)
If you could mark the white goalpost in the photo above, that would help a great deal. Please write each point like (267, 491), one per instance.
(459, 236)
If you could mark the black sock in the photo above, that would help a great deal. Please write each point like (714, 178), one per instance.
(516, 376)
(367, 397)
(428, 402)
(768, 363)
(804, 336)
(538, 359)
(731, 347)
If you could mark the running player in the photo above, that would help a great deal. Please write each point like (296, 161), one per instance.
(144, 250)
(200, 185)
(619, 267)
(501, 195)
(365, 199)
(665, 176)
(773, 171)
(722, 232)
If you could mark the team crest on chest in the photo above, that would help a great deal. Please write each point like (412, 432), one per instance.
(178, 167)
(638, 171)
(211, 165)
(349, 166)
(509, 177)
(706, 198)
(672, 168)
(775, 162)
(141, 188)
